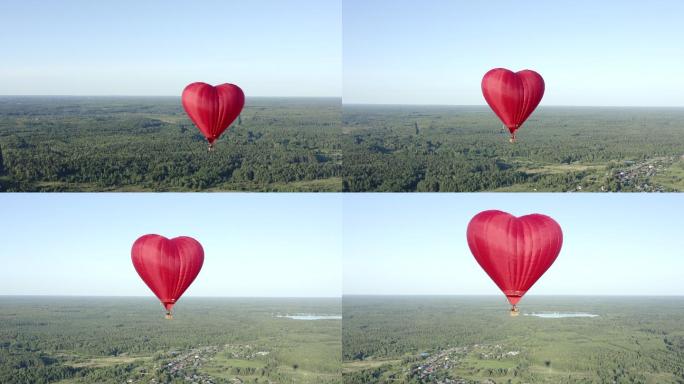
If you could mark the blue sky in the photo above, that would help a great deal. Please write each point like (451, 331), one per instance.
(614, 244)
(608, 53)
(264, 245)
(156, 47)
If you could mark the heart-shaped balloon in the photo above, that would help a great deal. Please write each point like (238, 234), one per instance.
(514, 251)
(167, 266)
(212, 109)
(512, 96)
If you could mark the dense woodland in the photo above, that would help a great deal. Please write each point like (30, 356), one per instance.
(423, 148)
(149, 144)
(113, 340)
(633, 340)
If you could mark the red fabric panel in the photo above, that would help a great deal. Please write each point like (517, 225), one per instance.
(512, 96)
(212, 109)
(167, 266)
(514, 251)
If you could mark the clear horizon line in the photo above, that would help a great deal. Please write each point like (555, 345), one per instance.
(530, 295)
(188, 297)
(346, 103)
(485, 105)
(178, 96)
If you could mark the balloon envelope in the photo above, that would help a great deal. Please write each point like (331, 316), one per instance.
(212, 109)
(512, 96)
(167, 266)
(514, 251)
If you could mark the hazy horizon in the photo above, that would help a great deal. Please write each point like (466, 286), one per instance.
(541, 107)
(176, 96)
(351, 295)
(183, 298)
(499, 295)
(343, 103)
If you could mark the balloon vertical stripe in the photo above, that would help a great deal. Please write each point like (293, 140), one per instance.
(514, 251)
(167, 266)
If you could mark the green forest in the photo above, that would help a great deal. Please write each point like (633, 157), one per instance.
(291, 144)
(127, 340)
(473, 339)
(149, 144)
(463, 149)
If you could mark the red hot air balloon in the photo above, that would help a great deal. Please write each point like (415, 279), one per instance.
(167, 266)
(212, 109)
(512, 96)
(514, 251)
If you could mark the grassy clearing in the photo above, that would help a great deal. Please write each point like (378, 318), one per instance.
(99, 362)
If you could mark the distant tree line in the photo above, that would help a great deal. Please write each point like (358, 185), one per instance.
(82, 145)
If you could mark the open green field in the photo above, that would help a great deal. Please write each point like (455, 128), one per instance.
(472, 339)
(149, 144)
(432, 148)
(127, 340)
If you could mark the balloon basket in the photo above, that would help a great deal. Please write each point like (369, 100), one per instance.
(168, 316)
(514, 312)
(211, 147)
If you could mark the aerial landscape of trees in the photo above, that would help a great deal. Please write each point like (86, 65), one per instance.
(114, 340)
(149, 144)
(433, 148)
(289, 144)
(472, 339)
